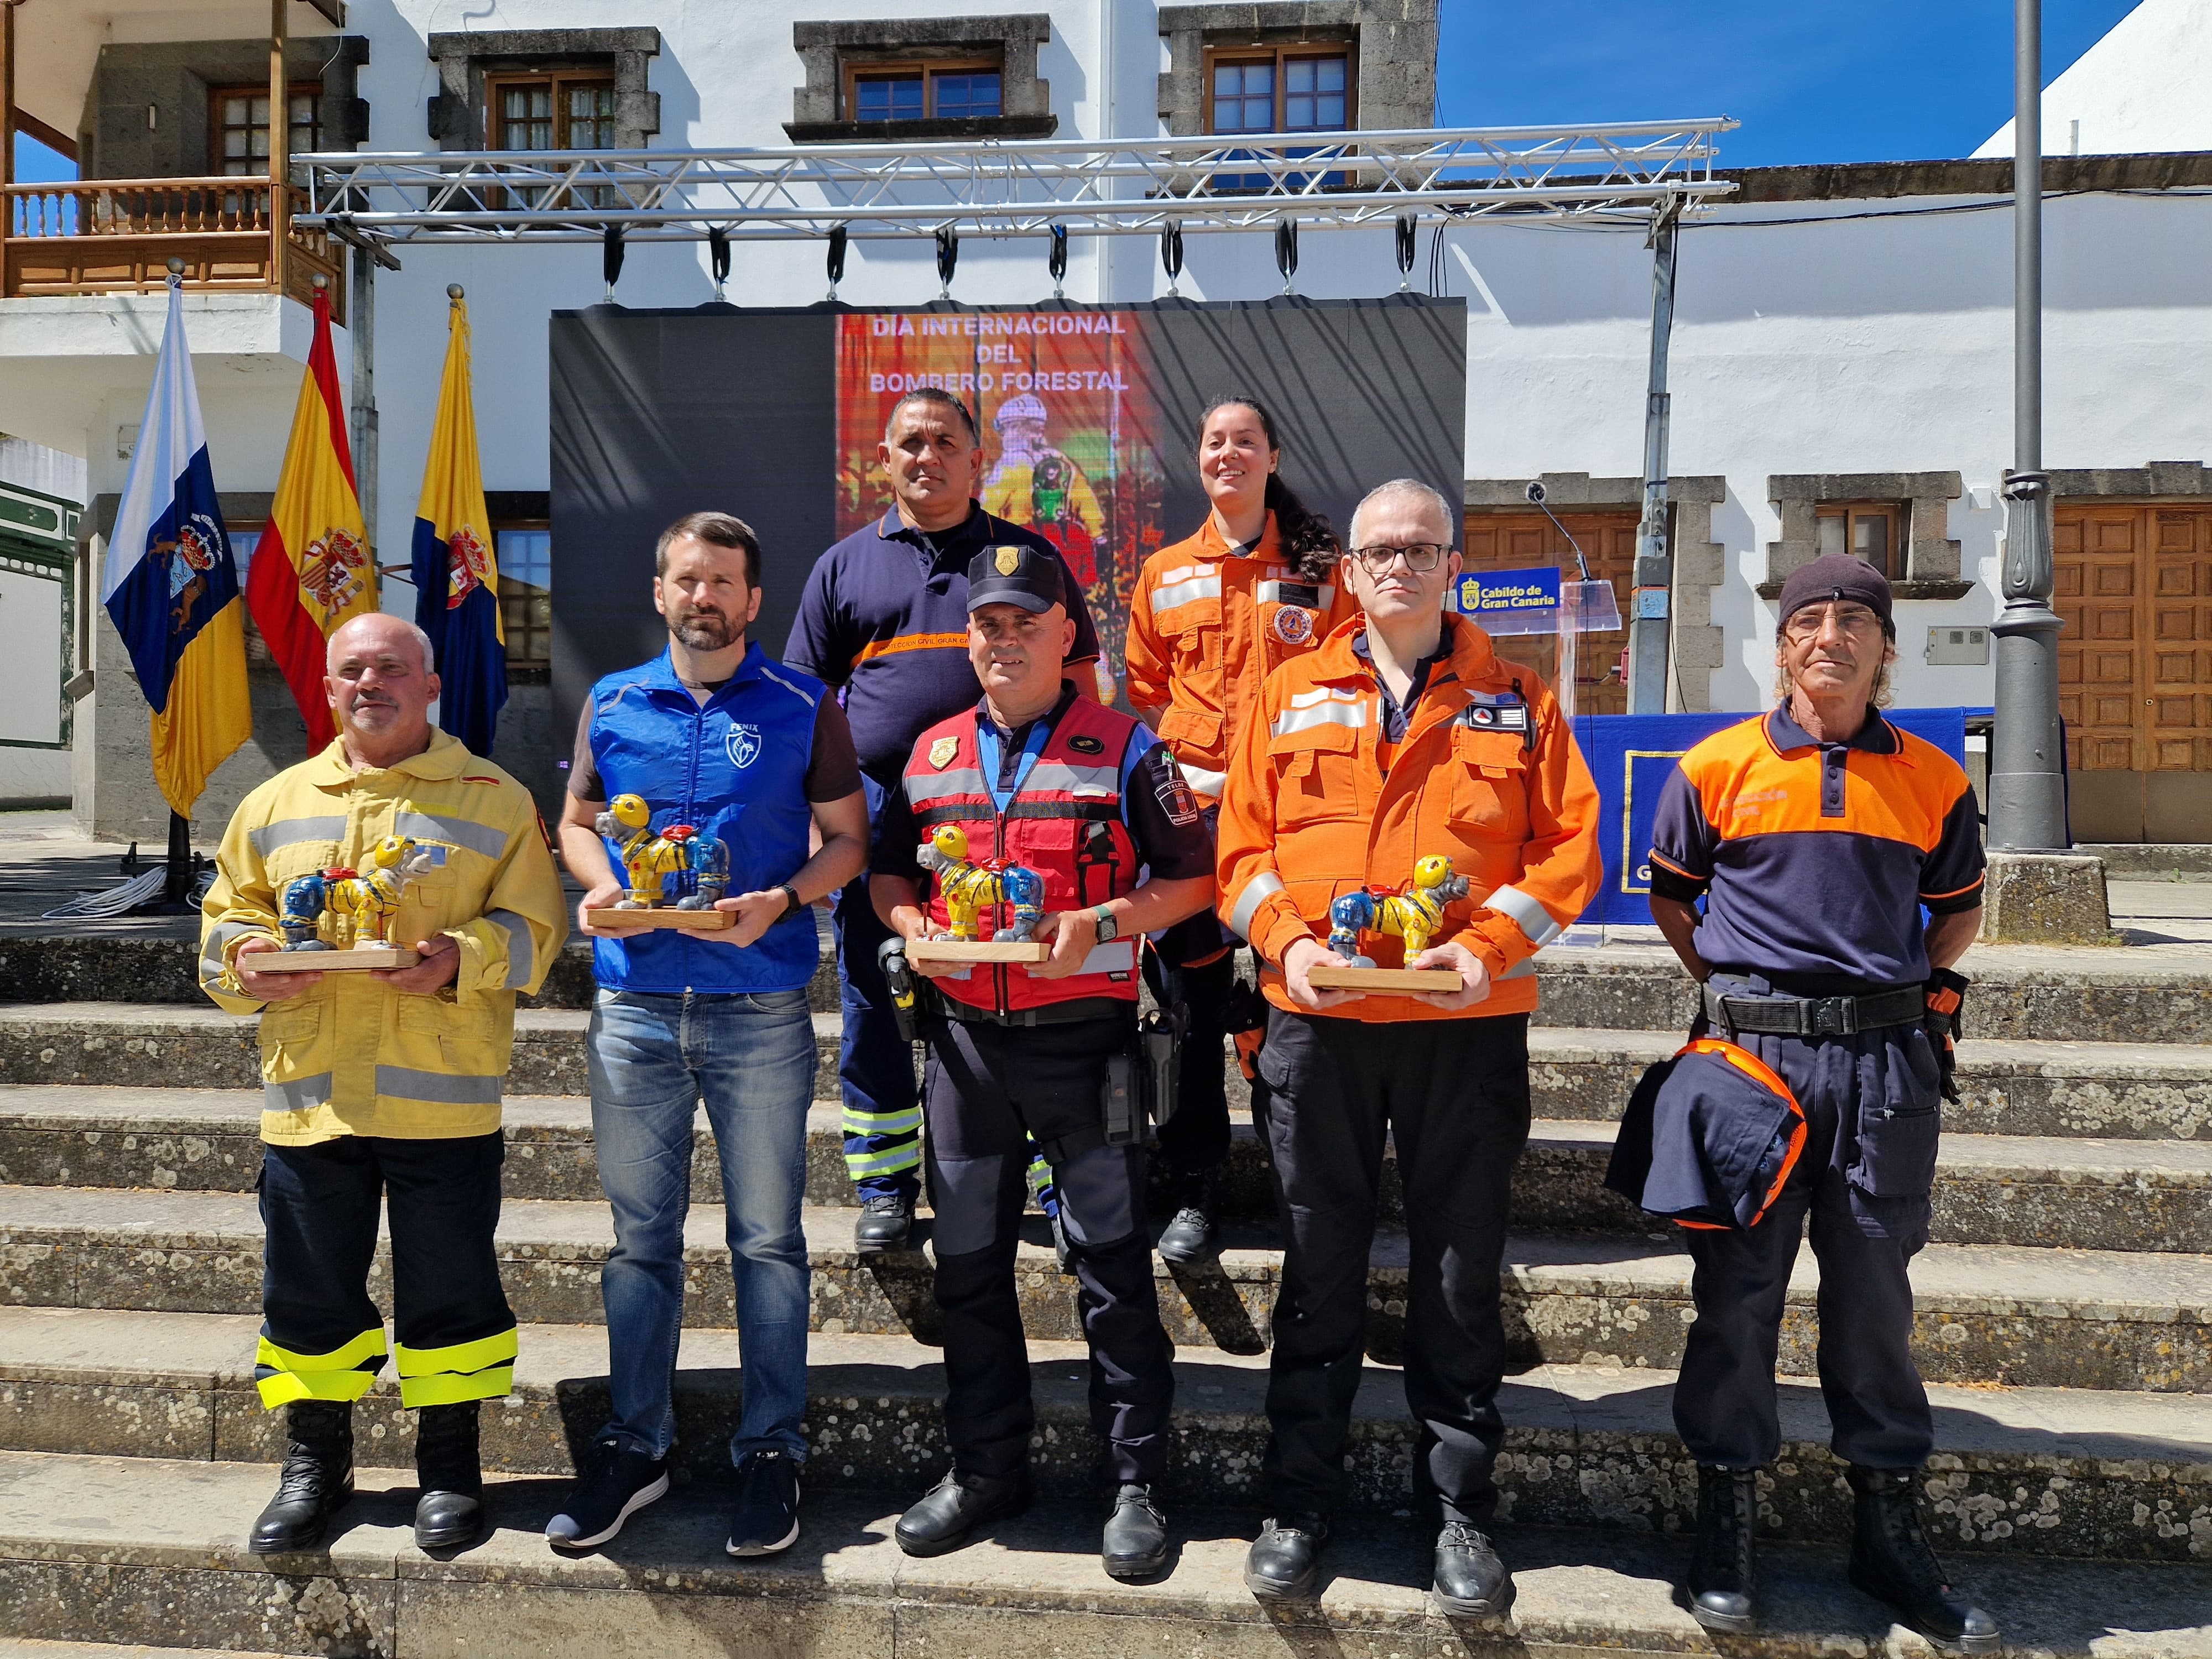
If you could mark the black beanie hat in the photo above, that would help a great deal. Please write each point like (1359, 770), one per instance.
(1836, 576)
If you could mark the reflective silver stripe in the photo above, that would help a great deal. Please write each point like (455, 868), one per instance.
(1271, 593)
(212, 964)
(286, 831)
(1524, 969)
(437, 1085)
(922, 787)
(458, 832)
(1185, 585)
(1256, 892)
(1533, 919)
(301, 1094)
(521, 949)
(1062, 779)
(1114, 956)
(1212, 784)
(1331, 712)
(768, 669)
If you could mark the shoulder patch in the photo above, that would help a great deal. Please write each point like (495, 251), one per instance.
(942, 751)
(1085, 743)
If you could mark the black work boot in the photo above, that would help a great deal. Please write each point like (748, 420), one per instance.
(886, 1221)
(1470, 1582)
(1285, 1559)
(1190, 1236)
(1724, 1592)
(317, 1480)
(948, 1514)
(1893, 1561)
(1135, 1542)
(450, 1513)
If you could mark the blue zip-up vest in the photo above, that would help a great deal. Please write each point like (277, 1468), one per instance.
(734, 767)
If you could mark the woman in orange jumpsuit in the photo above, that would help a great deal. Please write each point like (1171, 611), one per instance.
(1212, 616)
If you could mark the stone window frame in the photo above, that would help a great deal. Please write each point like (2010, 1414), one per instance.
(829, 50)
(1931, 557)
(459, 109)
(1393, 46)
(1697, 645)
(2174, 480)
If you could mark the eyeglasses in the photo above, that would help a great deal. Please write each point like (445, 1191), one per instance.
(1807, 621)
(1421, 558)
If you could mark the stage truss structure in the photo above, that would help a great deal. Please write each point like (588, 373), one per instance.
(1625, 172)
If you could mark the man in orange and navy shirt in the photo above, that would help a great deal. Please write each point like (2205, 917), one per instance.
(1816, 833)
(884, 619)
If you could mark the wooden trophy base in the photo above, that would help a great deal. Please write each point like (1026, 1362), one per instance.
(1384, 981)
(972, 950)
(614, 916)
(358, 959)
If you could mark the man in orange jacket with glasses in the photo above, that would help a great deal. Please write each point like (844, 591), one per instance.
(1404, 737)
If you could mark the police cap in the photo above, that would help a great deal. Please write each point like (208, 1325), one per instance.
(1011, 574)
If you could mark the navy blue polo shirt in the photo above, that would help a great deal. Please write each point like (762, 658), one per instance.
(884, 616)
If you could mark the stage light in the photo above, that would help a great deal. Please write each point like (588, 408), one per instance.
(610, 258)
(948, 257)
(836, 259)
(1056, 261)
(1171, 255)
(1408, 233)
(1286, 251)
(718, 257)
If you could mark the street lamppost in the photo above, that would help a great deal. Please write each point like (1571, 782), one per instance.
(2036, 889)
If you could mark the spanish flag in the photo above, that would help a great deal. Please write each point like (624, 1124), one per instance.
(171, 585)
(456, 570)
(312, 570)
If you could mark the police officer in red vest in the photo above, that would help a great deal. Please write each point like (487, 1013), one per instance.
(1090, 800)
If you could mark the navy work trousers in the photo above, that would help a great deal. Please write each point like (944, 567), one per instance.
(1871, 1103)
(987, 1090)
(1453, 1094)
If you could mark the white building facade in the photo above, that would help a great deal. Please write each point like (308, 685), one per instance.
(1841, 356)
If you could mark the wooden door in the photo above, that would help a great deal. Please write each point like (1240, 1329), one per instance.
(1516, 541)
(2134, 588)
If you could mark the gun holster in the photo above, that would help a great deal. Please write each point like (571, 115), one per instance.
(1160, 1033)
(904, 985)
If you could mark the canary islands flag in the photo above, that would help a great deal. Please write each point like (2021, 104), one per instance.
(171, 585)
(456, 571)
(312, 568)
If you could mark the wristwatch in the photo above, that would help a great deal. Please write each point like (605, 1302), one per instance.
(1109, 929)
(792, 905)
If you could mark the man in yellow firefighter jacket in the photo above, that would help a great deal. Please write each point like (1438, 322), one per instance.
(385, 1083)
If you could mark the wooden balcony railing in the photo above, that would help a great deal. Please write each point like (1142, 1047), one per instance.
(117, 236)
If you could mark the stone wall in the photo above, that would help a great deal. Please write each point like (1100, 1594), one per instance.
(173, 78)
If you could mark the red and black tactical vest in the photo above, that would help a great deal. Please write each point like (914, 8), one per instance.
(1064, 823)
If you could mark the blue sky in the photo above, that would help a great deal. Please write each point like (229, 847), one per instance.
(1811, 80)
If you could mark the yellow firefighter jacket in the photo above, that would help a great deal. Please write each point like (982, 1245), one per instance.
(354, 1055)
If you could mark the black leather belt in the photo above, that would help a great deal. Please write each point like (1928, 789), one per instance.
(1050, 1013)
(1788, 1016)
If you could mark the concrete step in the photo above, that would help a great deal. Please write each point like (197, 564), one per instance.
(2020, 992)
(170, 1570)
(2109, 1319)
(1990, 1189)
(2126, 1090)
(2039, 1472)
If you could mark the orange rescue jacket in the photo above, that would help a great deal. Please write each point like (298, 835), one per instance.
(1309, 813)
(1207, 625)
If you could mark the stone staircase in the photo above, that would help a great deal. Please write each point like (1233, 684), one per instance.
(2063, 1322)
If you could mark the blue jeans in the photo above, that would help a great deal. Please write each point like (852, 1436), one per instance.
(751, 1058)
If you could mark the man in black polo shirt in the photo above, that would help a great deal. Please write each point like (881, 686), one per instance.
(1815, 833)
(885, 618)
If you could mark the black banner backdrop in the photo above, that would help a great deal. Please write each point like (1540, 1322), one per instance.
(1089, 417)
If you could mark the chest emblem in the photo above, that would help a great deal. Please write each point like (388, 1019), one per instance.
(744, 745)
(1294, 625)
(942, 751)
(1487, 717)
(1086, 745)
(1007, 560)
